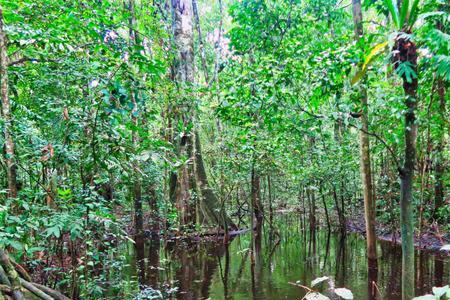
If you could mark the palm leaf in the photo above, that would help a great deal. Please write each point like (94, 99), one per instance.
(373, 53)
(392, 6)
(413, 13)
(404, 13)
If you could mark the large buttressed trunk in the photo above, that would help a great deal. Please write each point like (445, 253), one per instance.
(211, 208)
(183, 183)
(191, 181)
(184, 40)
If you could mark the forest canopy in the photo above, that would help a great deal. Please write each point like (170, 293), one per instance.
(156, 124)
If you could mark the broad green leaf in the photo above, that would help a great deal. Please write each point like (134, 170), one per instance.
(430, 14)
(406, 71)
(392, 7)
(374, 52)
(413, 13)
(404, 12)
(344, 293)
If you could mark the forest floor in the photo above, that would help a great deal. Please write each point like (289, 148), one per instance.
(431, 238)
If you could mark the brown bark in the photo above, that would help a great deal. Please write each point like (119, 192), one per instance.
(256, 197)
(209, 203)
(269, 190)
(6, 113)
(192, 176)
(440, 164)
(364, 143)
(200, 40)
(183, 183)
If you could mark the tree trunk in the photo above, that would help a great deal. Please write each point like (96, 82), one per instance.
(269, 192)
(6, 113)
(137, 186)
(183, 184)
(406, 51)
(365, 163)
(440, 165)
(200, 40)
(192, 175)
(324, 202)
(209, 203)
(256, 197)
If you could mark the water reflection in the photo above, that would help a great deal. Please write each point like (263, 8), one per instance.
(259, 267)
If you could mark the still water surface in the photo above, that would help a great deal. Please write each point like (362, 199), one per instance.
(209, 270)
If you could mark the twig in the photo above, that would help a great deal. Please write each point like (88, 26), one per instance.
(302, 286)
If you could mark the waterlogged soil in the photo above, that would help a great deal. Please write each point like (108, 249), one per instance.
(211, 270)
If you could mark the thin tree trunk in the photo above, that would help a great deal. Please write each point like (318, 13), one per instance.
(256, 197)
(341, 217)
(440, 169)
(137, 189)
(324, 202)
(365, 163)
(6, 113)
(269, 192)
(406, 51)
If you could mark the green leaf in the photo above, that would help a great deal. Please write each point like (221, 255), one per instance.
(406, 71)
(392, 7)
(413, 13)
(16, 245)
(404, 12)
(373, 53)
(54, 231)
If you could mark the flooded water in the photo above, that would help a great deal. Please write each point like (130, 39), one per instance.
(210, 270)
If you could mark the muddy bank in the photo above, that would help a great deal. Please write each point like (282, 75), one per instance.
(431, 239)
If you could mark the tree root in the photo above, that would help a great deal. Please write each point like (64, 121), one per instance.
(53, 293)
(14, 279)
(29, 286)
(11, 275)
(21, 270)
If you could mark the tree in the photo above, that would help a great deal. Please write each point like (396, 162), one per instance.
(191, 180)
(366, 173)
(404, 60)
(6, 112)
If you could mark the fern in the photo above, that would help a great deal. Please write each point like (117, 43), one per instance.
(443, 67)
(405, 70)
